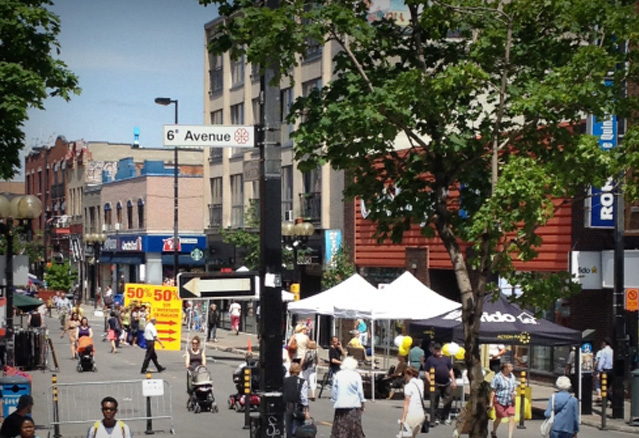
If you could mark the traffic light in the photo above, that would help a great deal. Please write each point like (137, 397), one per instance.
(295, 289)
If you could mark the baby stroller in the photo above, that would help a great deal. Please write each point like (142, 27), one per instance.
(85, 355)
(238, 401)
(200, 389)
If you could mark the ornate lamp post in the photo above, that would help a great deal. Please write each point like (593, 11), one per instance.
(94, 242)
(23, 209)
(296, 235)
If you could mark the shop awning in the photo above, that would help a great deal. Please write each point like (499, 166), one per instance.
(117, 259)
(183, 259)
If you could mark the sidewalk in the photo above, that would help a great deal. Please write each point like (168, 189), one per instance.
(238, 344)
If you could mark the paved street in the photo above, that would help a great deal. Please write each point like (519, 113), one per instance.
(380, 417)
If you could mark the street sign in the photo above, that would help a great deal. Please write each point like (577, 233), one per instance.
(221, 136)
(216, 285)
(166, 307)
(632, 299)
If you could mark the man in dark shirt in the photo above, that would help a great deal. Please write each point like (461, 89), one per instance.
(11, 425)
(335, 354)
(444, 379)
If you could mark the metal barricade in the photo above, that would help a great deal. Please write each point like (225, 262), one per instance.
(78, 403)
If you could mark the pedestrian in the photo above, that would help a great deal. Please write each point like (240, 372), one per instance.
(213, 321)
(502, 397)
(11, 425)
(495, 352)
(413, 415)
(298, 343)
(108, 298)
(416, 356)
(395, 376)
(71, 327)
(77, 309)
(35, 319)
(84, 329)
(235, 311)
(295, 396)
(309, 369)
(27, 428)
(566, 407)
(112, 335)
(335, 355)
(603, 364)
(362, 331)
(347, 395)
(444, 380)
(570, 370)
(151, 337)
(195, 356)
(135, 325)
(109, 427)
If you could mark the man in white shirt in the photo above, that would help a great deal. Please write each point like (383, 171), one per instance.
(151, 337)
(109, 427)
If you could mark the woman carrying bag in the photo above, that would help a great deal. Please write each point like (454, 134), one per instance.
(413, 416)
(566, 410)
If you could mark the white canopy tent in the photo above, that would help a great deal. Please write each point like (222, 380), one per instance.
(352, 292)
(404, 298)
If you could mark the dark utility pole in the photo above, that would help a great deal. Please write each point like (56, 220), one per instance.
(618, 311)
(272, 377)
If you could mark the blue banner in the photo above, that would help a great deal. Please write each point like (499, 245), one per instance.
(332, 243)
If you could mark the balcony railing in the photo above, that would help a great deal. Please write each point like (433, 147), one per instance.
(215, 216)
(311, 207)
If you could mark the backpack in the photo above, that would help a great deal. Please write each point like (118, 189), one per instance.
(292, 347)
(96, 426)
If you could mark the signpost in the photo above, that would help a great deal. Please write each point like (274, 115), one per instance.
(221, 136)
(216, 285)
(165, 305)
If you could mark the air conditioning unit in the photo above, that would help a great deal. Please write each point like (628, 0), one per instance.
(288, 216)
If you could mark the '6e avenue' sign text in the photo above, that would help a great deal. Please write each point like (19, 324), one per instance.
(222, 136)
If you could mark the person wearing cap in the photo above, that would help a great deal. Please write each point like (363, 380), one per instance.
(151, 337)
(566, 424)
(445, 382)
(11, 425)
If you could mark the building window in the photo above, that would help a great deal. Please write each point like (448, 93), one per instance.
(237, 201)
(287, 193)
(129, 214)
(217, 118)
(140, 213)
(215, 209)
(287, 99)
(255, 72)
(237, 71)
(119, 212)
(108, 217)
(313, 46)
(216, 73)
(237, 118)
(40, 181)
(257, 111)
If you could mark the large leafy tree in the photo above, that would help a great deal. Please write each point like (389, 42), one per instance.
(29, 70)
(489, 98)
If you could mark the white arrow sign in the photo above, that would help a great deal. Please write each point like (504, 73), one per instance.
(211, 286)
(236, 136)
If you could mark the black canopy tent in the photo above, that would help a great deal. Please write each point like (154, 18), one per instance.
(503, 322)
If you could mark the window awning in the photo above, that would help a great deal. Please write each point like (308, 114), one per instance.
(122, 259)
(183, 260)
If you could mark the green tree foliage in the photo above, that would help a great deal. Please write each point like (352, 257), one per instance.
(60, 276)
(29, 70)
(340, 268)
(486, 98)
(247, 239)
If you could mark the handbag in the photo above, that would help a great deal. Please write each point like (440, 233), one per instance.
(306, 430)
(426, 423)
(546, 426)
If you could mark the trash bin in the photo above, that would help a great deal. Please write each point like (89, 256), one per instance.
(634, 398)
(12, 388)
(586, 393)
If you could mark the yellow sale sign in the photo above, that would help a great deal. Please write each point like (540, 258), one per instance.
(165, 305)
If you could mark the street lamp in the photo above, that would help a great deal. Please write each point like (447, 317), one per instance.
(296, 235)
(26, 207)
(176, 238)
(94, 241)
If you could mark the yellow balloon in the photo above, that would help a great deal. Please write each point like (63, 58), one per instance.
(403, 351)
(407, 342)
(445, 350)
(461, 353)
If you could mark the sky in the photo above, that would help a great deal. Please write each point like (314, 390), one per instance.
(126, 53)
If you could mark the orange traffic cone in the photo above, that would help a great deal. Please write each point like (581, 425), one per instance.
(250, 349)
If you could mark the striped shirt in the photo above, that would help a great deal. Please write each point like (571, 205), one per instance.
(504, 388)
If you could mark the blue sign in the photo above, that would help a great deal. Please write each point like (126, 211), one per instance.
(606, 130)
(586, 347)
(332, 243)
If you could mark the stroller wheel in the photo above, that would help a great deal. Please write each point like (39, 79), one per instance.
(238, 407)
(95, 368)
(231, 403)
(197, 409)
(214, 408)
(79, 368)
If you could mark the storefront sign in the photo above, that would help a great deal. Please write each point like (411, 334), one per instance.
(585, 267)
(165, 306)
(631, 274)
(332, 243)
